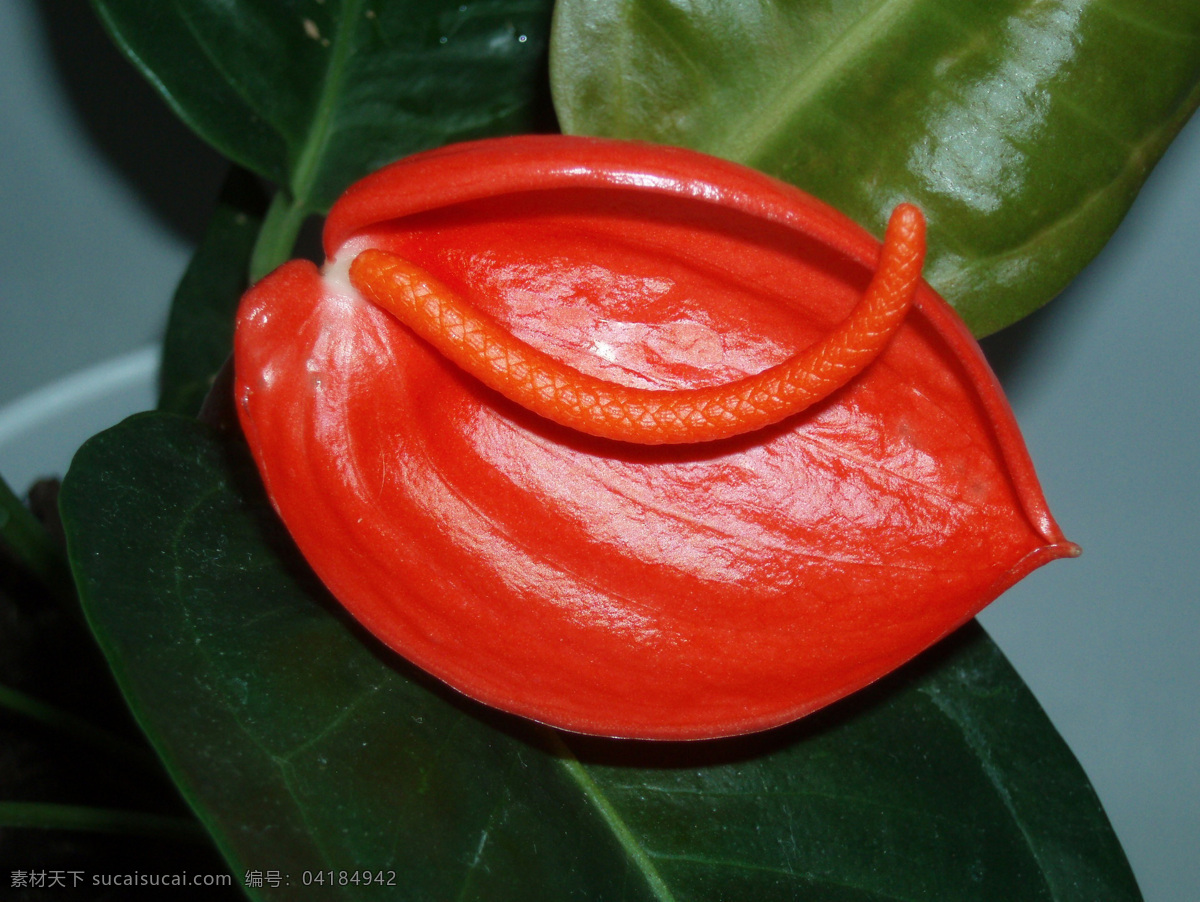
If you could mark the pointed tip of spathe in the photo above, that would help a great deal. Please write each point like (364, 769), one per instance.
(1060, 550)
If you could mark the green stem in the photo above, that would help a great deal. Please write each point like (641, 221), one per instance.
(74, 726)
(52, 816)
(31, 545)
(289, 209)
(278, 234)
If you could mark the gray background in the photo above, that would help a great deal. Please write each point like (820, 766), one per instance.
(102, 193)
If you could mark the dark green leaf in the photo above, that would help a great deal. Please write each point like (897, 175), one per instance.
(304, 746)
(200, 330)
(1023, 128)
(313, 94)
(27, 545)
(76, 776)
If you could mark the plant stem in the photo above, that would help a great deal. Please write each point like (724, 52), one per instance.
(31, 545)
(73, 726)
(52, 816)
(278, 234)
(289, 209)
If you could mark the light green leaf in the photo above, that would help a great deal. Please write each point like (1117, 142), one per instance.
(1023, 128)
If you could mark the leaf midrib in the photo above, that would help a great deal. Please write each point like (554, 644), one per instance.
(757, 127)
(979, 748)
(308, 160)
(633, 847)
(621, 830)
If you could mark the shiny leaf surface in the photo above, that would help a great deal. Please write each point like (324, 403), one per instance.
(304, 747)
(316, 93)
(1023, 129)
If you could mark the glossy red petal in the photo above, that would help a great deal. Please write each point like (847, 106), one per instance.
(614, 589)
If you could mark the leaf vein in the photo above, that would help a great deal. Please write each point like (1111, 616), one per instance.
(761, 124)
(608, 812)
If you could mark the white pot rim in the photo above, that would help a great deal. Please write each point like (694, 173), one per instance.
(40, 431)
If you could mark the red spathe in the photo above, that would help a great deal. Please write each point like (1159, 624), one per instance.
(685, 592)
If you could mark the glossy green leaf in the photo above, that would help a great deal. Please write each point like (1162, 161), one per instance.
(305, 746)
(314, 94)
(1023, 128)
(199, 336)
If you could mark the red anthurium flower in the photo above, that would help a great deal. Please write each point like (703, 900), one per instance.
(630, 440)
